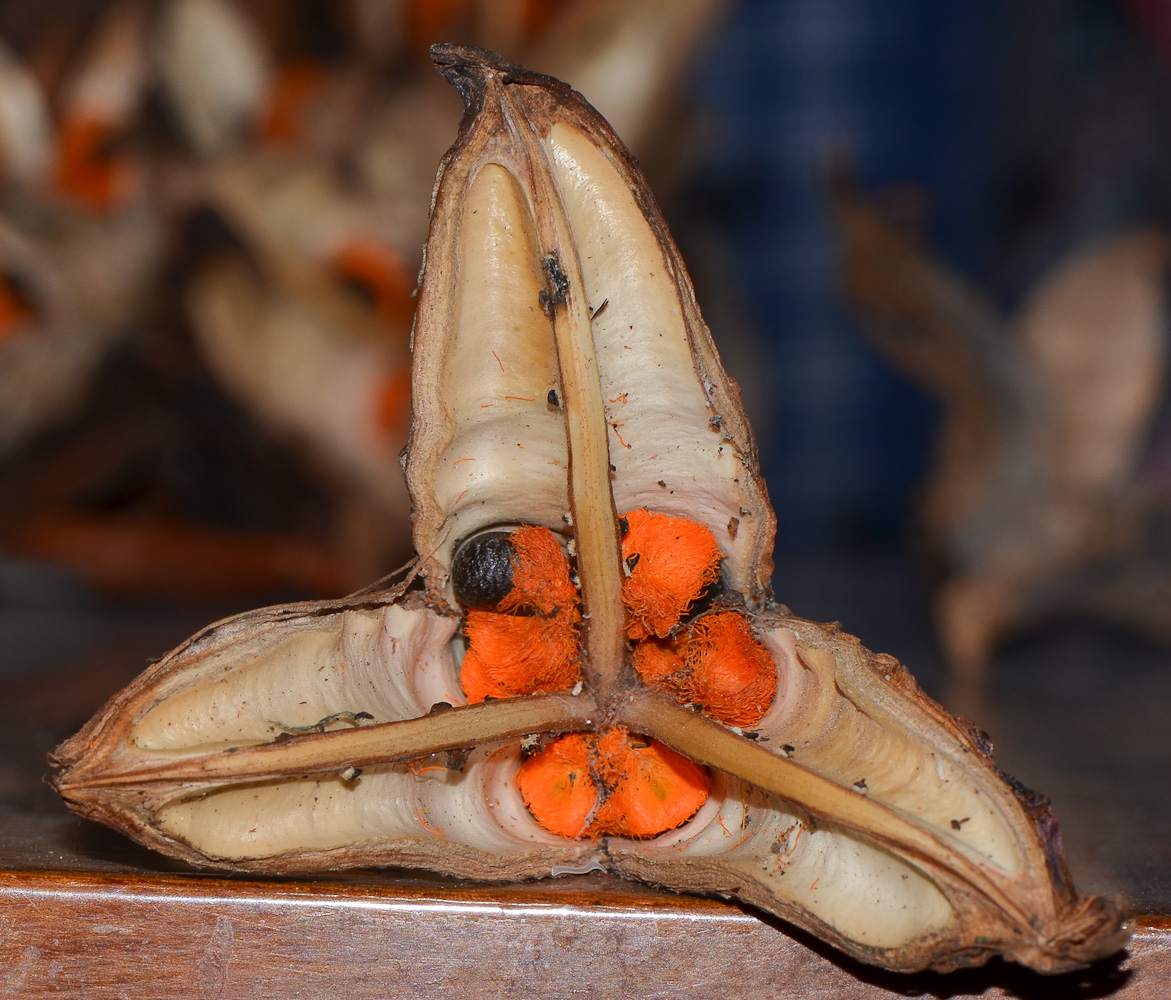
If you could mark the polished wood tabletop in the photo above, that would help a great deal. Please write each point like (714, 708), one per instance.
(1077, 712)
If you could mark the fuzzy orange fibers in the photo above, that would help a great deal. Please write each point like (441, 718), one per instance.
(716, 663)
(611, 783)
(528, 645)
(728, 671)
(670, 560)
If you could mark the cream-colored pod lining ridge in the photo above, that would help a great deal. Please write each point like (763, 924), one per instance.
(833, 736)
(662, 426)
(507, 448)
(391, 663)
(475, 805)
(866, 893)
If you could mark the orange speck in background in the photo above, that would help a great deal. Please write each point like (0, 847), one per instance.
(430, 21)
(671, 560)
(392, 404)
(15, 312)
(380, 272)
(632, 786)
(296, 84)
(529, 645)
(87, 171)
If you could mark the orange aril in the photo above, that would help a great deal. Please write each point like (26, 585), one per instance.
(657, 661)
(652, 789)
(557, 786)
(510, 655)
(728, 672)
(630, 786)
(540, 575)
(671, 560)
(529, 644)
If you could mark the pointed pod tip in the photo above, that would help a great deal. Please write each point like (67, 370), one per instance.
(468, 68)
(465, 67)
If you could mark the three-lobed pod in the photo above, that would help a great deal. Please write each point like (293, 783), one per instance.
(505, 712)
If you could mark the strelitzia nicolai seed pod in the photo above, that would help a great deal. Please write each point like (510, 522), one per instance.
(562, 377)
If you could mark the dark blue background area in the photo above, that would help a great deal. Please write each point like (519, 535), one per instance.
(1031, 126)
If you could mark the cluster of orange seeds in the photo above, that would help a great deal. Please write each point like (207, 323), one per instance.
(613, 783)
(715, 662)
(587, 784)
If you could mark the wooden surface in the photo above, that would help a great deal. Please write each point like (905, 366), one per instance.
(84, 913)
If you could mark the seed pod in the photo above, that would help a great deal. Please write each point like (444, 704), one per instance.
(838, 812)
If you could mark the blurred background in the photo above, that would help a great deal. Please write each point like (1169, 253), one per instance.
(211, 218)
(931, 241)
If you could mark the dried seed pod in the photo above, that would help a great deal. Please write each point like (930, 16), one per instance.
(857, 808)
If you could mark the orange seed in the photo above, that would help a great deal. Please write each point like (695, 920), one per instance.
(540, 575)
(529, 645)
(646, 788)
(652, 789)
(729, 673)
(511, 655)
(671, 560)
(657, 661)
(557, 786)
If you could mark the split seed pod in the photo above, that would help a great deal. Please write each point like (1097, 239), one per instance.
(563, 376)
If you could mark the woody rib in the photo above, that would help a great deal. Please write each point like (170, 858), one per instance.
(702, 739)
(365, 746)
(590, 500)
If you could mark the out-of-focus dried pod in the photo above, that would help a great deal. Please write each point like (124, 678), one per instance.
(215, 70)
(1034, 508)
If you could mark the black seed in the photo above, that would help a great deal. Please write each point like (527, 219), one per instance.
(481, 572)
(624, 526)
(632, 560)
(553, 398)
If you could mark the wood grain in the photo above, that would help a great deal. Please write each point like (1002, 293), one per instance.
(73, 935)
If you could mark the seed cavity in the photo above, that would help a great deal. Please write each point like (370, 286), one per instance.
(525, 641)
